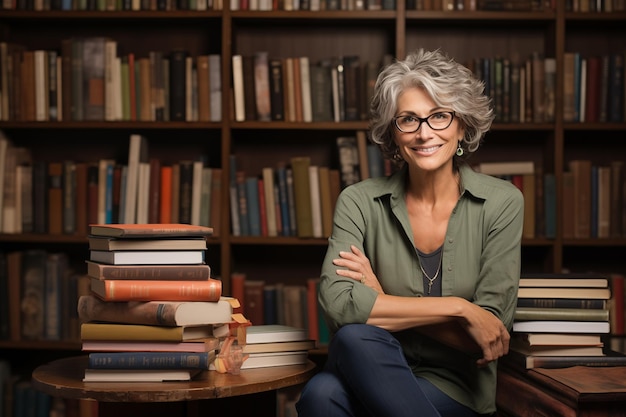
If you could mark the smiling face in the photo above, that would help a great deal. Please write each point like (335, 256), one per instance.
(426, 149)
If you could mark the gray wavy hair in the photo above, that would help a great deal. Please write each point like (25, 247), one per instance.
(450, 84)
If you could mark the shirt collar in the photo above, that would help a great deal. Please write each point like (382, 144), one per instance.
(394, 186)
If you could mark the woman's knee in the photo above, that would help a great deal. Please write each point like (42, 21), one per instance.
(320, 393)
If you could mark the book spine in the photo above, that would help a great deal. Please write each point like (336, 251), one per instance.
(151, 272)
(141, 290)
(150, 360)
(561, 303)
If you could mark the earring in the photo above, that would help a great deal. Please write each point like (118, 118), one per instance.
(396, 155)
(459, 150)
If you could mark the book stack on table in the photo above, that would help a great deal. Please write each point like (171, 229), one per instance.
(560, 321)
(154, 312)
(270, 345)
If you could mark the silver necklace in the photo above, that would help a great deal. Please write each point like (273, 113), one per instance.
(431, 280)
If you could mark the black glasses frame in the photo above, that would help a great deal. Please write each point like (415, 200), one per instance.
(422, 120)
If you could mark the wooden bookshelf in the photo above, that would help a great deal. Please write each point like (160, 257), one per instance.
(372, 35)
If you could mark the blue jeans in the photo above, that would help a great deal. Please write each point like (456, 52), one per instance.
(366, 374)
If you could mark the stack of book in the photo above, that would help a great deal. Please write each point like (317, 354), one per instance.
(560, 321)
(276, 345)
(153, 309)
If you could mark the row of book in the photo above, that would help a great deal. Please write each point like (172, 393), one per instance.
(21, 398)
(154, 328)
(593, 197)
(271, 303)
(60, 85)
(109, 5)
(38, 290)
(63, 197)
(594, 87)
(483, 5)
(562, 320)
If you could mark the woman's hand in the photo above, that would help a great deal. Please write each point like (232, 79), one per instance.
(488, 332)
(358, 268)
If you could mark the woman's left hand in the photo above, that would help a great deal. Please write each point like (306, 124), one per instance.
(358, 268)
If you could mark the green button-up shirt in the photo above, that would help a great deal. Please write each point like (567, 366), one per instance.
(481, 263)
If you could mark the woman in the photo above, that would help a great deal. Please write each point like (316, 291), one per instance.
(420, 279)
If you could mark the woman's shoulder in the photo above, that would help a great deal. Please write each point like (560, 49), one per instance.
(489, 186)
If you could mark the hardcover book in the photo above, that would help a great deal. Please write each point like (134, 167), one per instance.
(136, 257)
(146, 290)
(561, 326)
(139, 375)
(141, 332)
(151, 360)
(113, 244)
(544, 292)
(149, 230)
(270, 333)
(200, 272)
(157, 313)
(198, 345)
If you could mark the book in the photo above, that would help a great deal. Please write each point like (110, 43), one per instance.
(157, 313)
(577, 314)
(567, 292)
(558, 350)
(199, 272)
(610, 358)
(279, 346)
(563, 280)
(270, 333)
(562, 303)
(149, 230)
(558, 339)
(139, 375)
(156, 290)
(561, 326)
(113, 244)
(150, 360)
(265, 360)
(196, 345)
(155, 257)
(142, 332)
(302, 196)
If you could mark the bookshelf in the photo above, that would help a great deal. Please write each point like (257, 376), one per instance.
(370, 34)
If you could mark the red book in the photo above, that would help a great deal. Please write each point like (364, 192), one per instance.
(594, 85)
(312, 309)
(616, 312)
(156, 290)
(237, 290)
(165, 211)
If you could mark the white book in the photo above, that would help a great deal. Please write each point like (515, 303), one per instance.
(305, 83)
(268, 333)
(139, 375)
(316, 204)
(215, 83)
(143, 194)
(137, 152)
(556, 326)
(240, 110)
(147, 257)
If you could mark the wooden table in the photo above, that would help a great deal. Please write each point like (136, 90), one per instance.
(252, 392)
(577, 391)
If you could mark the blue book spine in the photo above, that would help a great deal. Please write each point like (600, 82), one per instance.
(254, 207)
(283, 194)
(150, 360)
(270, 313)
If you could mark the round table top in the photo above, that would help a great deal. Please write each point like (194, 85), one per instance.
(64, 378)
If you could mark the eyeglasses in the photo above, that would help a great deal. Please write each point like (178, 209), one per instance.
(409, 123)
